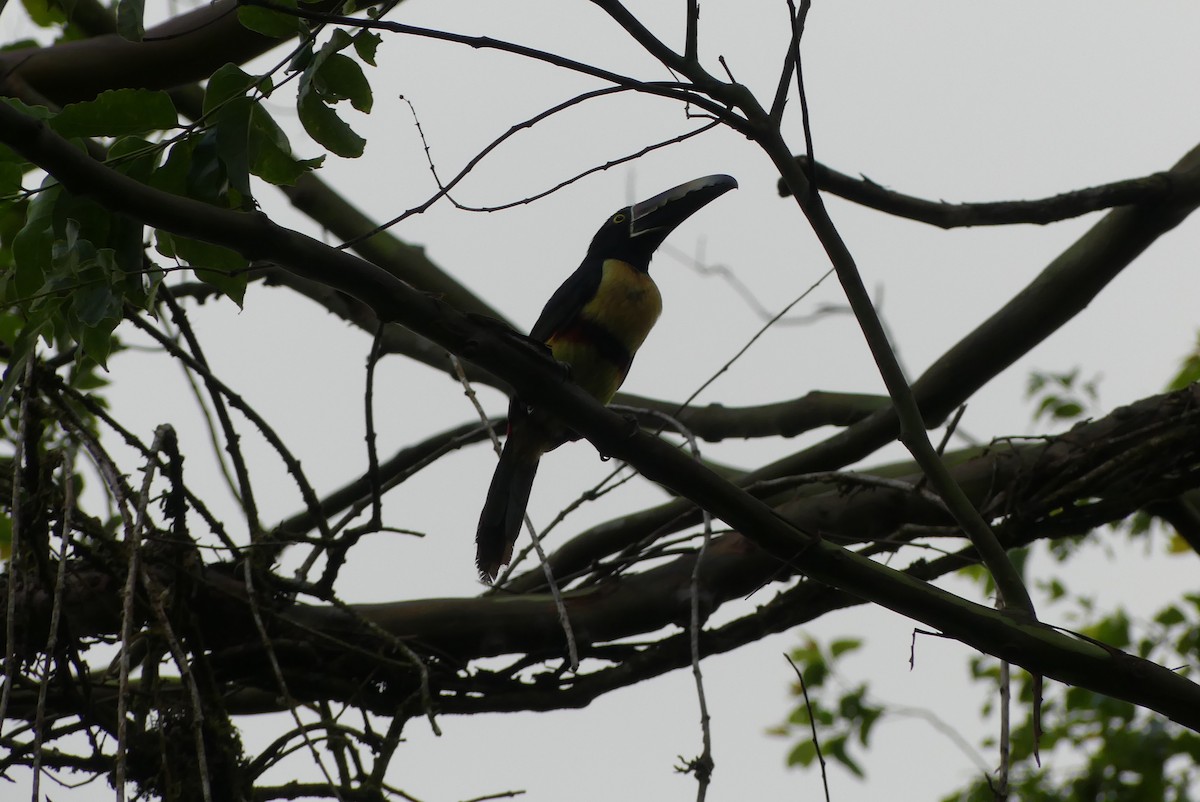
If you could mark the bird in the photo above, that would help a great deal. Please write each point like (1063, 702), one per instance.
(594, 323)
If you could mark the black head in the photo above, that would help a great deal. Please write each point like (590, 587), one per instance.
(635, 232)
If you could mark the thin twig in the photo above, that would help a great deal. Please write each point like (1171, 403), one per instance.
(132, 440)
(705, 764)
(444, 189)
(412, 657)
(912, 427)
(14, 557)
(237, 402)
(698, 264)
(154, 594)
(132, 546)
(951, 427)
(67, 478)
(369, 417)
(211, 427)
(691, 37)
(232, 438)
(277, 671)
(335, 549)
(761, 331)
(812, 723)
(555, 592)
(1002, 771)
(798, 19)
(674, 91)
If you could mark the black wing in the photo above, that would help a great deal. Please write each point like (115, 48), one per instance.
(567, 301)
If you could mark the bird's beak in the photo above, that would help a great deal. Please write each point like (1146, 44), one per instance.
(657, 217)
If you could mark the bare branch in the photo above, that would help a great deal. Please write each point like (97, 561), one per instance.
(1177, 186)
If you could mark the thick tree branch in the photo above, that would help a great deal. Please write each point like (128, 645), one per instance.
(716, 422)
(764, 130)
(1098, 472)
(1034, 646)
(1063, 289)
(183, 50)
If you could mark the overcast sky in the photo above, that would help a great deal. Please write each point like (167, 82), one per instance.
(960, 101)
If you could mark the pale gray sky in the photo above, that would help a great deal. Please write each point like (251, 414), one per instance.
(961, 101)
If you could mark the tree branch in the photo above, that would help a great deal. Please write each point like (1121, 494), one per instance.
(1034, 646)
(1174, 186)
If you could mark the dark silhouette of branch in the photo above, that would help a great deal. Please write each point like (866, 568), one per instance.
(182, 50)
(716, 422)
(765, 132)
(1035, 647)
(1038, 489)
(676, 91)
(1171, 187)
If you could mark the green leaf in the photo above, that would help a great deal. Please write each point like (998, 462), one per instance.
(11, 176)
(1189, 370)
(172, 175)
(97, 341)
(117, 112)
(840, 647)
(96, 301)
(1113, 630)
(206, 179)
(137, 159)
(836, 749)
(233, 142)
(22, 349)
(365, 44)
(340, 78)
(45, 13)
(213, 264)
(803, 754)
(318, 118)
(869, 717)
(12, 220)
(36, 112)
(324, 125)
(800, 716)
(91, 220)
(268, 22)
(1068, 410)
(271, 154)
(134, 157)
(5, 537)
(301, 58)
(1170, 616)
(130, 16)
(226, 83)
(32, 245)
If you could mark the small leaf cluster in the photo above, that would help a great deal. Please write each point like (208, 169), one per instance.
(71, 268)
(69, 264)
(1092, 746)
(1062, 396)
(843, 717)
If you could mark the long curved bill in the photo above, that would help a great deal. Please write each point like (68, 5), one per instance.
(666, 210)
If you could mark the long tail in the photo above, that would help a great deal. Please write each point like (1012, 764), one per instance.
(504, 510)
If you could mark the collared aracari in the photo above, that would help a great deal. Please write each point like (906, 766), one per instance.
(594, 323)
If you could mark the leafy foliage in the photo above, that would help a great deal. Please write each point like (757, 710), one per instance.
(1062, 396)
(1092, 746)
(843, 718)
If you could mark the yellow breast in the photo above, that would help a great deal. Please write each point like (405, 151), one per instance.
(600, 343)
(627, 303)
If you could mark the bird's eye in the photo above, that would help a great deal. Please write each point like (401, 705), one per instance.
(619, 217)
